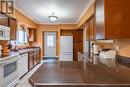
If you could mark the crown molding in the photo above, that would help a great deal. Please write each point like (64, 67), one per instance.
(25, 14)
(85, 10)
(57, 23)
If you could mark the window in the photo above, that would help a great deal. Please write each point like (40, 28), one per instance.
(21, 37)
(50, 41)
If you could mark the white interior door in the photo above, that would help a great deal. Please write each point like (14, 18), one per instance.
(50, 44)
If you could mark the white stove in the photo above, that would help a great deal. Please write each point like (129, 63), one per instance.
(8, 70)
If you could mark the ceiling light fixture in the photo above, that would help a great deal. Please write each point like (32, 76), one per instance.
(53, 17)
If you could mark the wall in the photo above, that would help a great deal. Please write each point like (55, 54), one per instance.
(48, 27)
(124, 47)
(23, 20)
(39, 35)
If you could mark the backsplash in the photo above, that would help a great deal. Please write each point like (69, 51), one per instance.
(123, 46)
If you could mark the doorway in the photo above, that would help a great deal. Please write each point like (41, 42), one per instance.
(49, 44)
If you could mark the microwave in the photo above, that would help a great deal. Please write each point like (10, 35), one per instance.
(4, 33)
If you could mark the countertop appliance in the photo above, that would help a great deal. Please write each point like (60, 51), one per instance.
(4, 33)
(107, 53)
(66, 48)
(8, 70)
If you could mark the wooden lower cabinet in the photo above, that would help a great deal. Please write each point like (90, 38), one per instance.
(34, 58)
(30, 60)
(38, 56)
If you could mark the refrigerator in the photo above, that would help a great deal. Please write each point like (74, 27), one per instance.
(66, 48)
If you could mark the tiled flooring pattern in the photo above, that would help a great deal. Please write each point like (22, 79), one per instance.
(24, 81)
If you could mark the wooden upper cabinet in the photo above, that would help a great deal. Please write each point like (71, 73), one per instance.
(3, 20)
(90, 29)
(112, 19)
(12, 23)
(32, 34)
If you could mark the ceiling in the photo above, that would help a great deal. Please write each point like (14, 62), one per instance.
(68, 11)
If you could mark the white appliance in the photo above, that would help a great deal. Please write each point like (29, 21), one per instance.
(8, 70)
(107, 53)
(23, 60)
(4, 33)
(66, 48)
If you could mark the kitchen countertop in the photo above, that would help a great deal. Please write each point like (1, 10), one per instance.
(25, 50)
(101, 72)
(28, 50)
(7, 56)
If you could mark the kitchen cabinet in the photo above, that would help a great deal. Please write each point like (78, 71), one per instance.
(78, 42)
(23, 64)
(32, 34)
(90, 28)
(3, 20)
(30, 60)
(34, 58)
(78, 35)
(38, 56)
(12, 23)
(112, 19)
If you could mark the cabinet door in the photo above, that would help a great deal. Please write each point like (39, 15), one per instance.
(100, 21)
(78, 47)
(92, 29)
(38, 57)
(117, 19)
(78, 35)
(3, 20)
(35, 58)
(32, 34)
(31, 60)
(13, 28)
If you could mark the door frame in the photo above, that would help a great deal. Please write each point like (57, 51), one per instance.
(43, 55)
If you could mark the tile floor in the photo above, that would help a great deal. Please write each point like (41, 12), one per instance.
(24, 81)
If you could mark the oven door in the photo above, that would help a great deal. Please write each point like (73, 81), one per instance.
(10, 71)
